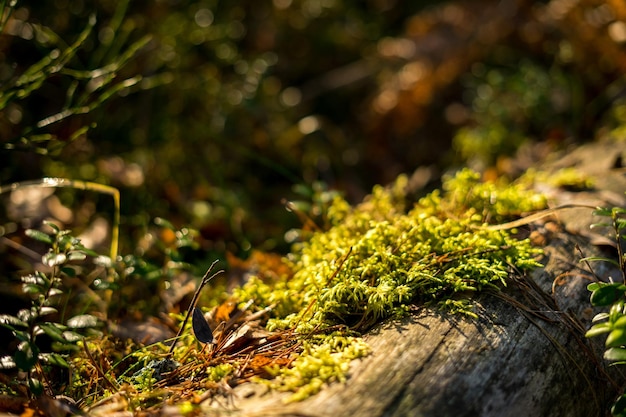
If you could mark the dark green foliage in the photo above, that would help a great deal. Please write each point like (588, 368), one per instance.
(605, 294)
(83, 88)
(506, 113)
(613, 296)
(619, 408)
(141, 277)
(47, 293)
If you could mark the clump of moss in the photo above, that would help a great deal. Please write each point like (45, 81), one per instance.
(322, 361)
(570, 178)
(378, 258)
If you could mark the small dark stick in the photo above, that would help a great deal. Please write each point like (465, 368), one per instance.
(205, 280)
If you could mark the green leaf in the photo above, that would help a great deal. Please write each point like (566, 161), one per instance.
(64, 236)
(39, 236)
(303, 190)
(89, 252)
(600, 316)
(607, 294)
(619, 408)
(7, 362)
(82, 321)
(616, 338)
(53, 259)
(616, 311)
(64, 347)
(601, 211)
(53, 331)
(69, 271)
(620, 323)
(603, 224)
(45, 310)
(22, 335)
(601, 259)
(53, 359)
(598, 329)
(32, 289)
(26, 356)
(615, 354)
(9, 321)
(67, 242)
(72, 337)
(27, 315)
(76, 255)
(35, 386)
(164, 223)
(104, 261)
(36, 279)
(52, 225)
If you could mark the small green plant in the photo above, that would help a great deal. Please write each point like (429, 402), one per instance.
(47, 293)
(612, 295)
(141, 277)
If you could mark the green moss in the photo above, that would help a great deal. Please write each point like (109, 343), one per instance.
(570, 178)
(323, 360)
(219, 372)
(380, 257)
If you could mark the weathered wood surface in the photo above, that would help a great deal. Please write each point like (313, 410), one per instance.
(526, 355)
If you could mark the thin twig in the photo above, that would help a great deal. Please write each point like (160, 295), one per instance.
(205, 280)
(536, 216)
(584, 259)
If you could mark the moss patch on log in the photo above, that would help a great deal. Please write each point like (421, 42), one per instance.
(380, 257)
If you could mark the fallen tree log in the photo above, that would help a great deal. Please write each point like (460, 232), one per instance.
(526, 354)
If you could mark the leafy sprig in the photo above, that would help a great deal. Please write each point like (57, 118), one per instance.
(612, 295)
(43, 317)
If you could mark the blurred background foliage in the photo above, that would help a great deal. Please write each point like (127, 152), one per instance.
(209, 113)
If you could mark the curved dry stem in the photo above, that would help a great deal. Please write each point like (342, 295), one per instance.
(536, 216)
(49, 182)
